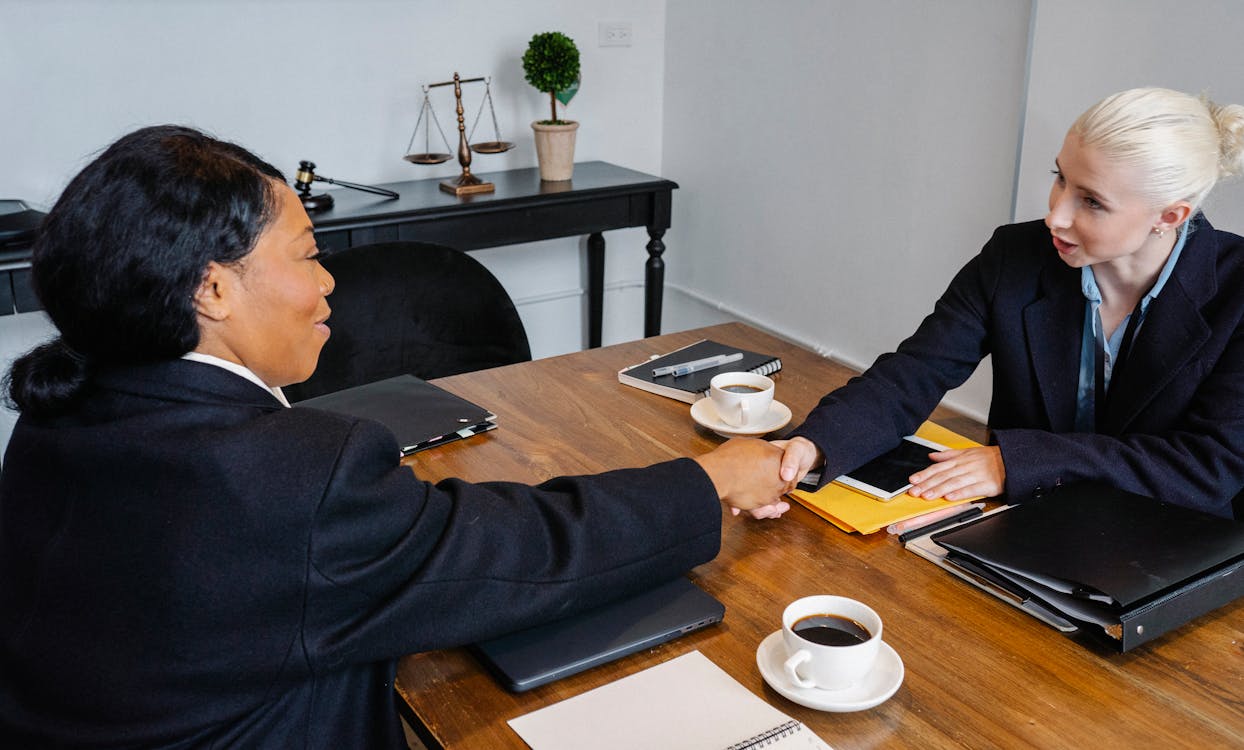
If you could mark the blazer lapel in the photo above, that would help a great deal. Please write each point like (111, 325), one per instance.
(1053, 325)
(1172, 332)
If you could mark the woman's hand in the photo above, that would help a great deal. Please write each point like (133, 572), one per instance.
(960, 474)
(745, 473)
(799, 456)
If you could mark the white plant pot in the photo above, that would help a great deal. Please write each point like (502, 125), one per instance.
(555, 150)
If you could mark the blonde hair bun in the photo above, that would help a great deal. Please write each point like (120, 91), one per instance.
(1229, 118)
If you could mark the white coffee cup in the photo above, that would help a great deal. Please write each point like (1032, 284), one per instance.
(815, 664)
(742, 398)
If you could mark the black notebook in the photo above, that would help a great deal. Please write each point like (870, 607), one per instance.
(694, 386)
(1132, 565)
(420, 415)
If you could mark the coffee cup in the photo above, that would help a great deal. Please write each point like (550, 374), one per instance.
(742, 398)
(832, 642)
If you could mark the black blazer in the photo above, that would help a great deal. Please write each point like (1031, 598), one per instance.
(186, 563)
(1175, 426)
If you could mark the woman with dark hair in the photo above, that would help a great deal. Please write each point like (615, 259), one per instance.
(185, 562)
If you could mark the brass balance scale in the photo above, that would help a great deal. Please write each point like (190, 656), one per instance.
(465, 183)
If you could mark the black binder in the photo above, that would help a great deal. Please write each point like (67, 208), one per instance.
(420, 415)
(1128, 566)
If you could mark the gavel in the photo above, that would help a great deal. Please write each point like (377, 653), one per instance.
(306, 175)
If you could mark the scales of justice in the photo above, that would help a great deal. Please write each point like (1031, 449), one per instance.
(465, 183)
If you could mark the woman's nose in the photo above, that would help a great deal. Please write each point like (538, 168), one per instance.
(327, 282)
(1060, 213)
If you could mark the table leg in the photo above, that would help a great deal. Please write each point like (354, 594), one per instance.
(654, 283)
(595, 288)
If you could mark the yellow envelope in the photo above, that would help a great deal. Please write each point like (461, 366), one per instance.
(854, 511)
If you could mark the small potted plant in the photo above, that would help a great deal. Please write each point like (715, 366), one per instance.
(551, 63)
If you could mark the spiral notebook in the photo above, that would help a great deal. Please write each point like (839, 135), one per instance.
(686, 703)
(694, 386)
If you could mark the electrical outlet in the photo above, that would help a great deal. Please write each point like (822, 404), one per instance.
(614, 33)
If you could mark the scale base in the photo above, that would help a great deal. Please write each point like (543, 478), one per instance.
(467, 184)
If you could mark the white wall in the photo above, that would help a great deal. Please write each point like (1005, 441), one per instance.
(1194, 46)
(839, 161)
(338, 83)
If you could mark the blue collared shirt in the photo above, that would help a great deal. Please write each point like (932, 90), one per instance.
(1086, 417)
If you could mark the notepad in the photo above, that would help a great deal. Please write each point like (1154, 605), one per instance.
(691, 388)
(686, 703)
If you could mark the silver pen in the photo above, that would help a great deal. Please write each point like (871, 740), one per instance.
(686, 368)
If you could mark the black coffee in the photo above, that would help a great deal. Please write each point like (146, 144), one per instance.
(742, 388)
(831, 630)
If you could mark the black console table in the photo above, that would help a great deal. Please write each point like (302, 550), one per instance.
(601, 197)
(522, 209)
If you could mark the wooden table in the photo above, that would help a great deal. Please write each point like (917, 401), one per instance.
(979, 673)
(522, 208)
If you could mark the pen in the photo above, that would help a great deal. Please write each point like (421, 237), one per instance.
(686, 368)
(898, 527)
(936, 526)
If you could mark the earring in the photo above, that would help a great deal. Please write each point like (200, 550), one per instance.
(1159, 232)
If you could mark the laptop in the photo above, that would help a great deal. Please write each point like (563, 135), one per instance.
(537, 656)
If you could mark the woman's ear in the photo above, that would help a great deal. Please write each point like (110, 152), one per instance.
(1174, 215)
(211, 299)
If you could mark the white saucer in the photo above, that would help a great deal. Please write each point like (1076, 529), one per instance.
(704, 412)
(873, 690)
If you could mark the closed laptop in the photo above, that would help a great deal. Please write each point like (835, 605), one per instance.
(540, 655)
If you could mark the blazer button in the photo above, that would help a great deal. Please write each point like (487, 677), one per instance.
(1038, 492)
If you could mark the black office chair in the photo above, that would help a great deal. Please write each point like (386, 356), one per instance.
(412, 307)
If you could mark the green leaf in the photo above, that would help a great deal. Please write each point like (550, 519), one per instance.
(565, 95)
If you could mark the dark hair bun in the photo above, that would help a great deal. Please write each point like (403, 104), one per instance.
(48, 379)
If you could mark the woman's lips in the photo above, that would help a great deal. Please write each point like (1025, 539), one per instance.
(321, 325)
(1063, 246)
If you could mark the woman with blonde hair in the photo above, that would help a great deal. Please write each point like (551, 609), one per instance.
(1116, 328)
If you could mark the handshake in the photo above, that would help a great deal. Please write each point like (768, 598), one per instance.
(752, 475)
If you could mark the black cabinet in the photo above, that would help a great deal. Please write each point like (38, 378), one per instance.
(17, 294)
(18, 224)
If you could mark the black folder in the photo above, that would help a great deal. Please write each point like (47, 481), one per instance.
(419, 414)
(1131, 566)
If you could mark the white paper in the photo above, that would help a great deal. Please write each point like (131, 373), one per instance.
(686, 703)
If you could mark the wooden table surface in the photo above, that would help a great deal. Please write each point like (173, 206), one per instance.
(979, 673)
